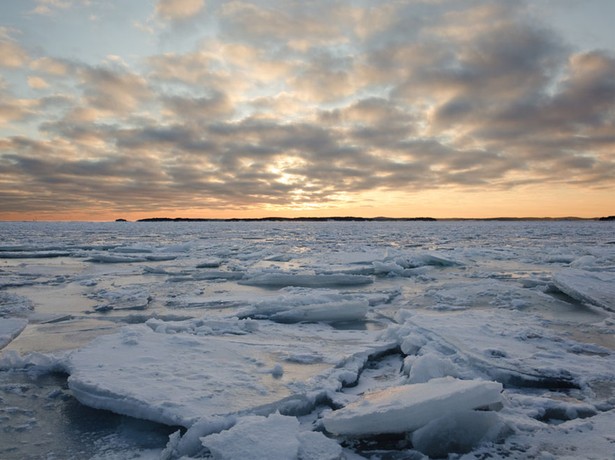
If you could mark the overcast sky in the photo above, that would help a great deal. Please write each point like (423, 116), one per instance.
(443, 108)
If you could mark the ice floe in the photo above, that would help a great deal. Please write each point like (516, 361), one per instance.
(595, 288)
(10, 328)
(298, 305)
(406, 408)
(178, 373)
(507, 345)
(277, 280)
(274, 437)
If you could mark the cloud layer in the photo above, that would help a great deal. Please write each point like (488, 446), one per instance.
(293, 105)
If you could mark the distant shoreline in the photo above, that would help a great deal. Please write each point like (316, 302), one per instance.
(287, 219)
(367, 219)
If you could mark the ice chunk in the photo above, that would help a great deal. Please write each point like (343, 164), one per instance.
(408, 407)
(134, 297)
(289, 279)
(175, 375)
(10, 328)
(458, 433)
(326, 312)
(209, 263)
(34, 255)
(125, 259)
(596, 288)
(430, 366)
(273, 437)
(580, 438)
(256, 437)
(509, 346)
(14, 305)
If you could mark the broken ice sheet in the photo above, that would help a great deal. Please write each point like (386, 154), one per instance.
(178, 377)
(510, 346)
(405, 408)
(591, 287)
(10, 328)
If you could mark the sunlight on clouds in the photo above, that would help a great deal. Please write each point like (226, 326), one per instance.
(11, 54)
(37, 83)
(178, 10)
(50, 66)
(48, 6)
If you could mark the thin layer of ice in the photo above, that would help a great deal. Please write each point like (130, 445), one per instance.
(595, 288)
(408, 407)
(10, 328)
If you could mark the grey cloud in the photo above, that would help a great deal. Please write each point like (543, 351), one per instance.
(115, 91)
(199, 108)
(461, 94)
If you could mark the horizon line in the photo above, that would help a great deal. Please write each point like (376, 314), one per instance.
(332, 218)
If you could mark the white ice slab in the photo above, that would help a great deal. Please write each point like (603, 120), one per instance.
(275, 437)
(596, 288)
(176, 375)
(511, 346)
(10, 328)
(310, 305)
(408, 407)
(327, 312)
(277, 280)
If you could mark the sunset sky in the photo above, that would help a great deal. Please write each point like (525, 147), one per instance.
(208, 108)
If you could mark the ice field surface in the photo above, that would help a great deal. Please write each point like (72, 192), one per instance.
(307, 340)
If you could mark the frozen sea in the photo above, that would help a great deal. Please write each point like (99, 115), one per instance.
(307, 340)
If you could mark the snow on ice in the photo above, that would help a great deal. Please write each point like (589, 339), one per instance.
(202, 368)
(408, 407)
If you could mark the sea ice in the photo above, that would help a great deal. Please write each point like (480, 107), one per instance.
(595, 288)
(10, 328)
(312, 305)
(276, 437)
(278, 280)
(176, 374)
(510, 346)
(408, 407)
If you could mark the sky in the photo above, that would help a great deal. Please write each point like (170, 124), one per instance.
(206, 108)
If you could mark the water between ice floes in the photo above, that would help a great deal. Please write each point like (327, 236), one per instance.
(76, 281)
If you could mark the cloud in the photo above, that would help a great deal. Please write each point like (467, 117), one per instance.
(314, 103)
(52, 66)
(115, 92)
(12, 54)
(46, 7)
(37, 83)
(178, 10)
